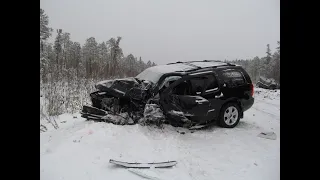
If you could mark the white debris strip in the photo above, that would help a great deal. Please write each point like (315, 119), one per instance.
(144, 165)
(268, 135)
(121, 92)
(80, 149)
(176, 112)
(107, 83)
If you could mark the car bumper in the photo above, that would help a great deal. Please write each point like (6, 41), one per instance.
(247, 104)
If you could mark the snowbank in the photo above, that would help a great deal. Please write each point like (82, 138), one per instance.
(268, 94)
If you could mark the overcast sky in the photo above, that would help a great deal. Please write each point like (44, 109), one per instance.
(172, 30)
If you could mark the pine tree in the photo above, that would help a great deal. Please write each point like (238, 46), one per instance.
(58, 48)
(45, 31)
(66, 47)
(90, 56)
(115, 53)
(103, 60)
(268, 57)
(130, 65)
(276, 65)
(76, 57)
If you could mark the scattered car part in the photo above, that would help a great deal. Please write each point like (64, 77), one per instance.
(267, 83)
(268, 135)
(144, 165)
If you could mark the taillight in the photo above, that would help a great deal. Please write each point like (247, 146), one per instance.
(252, 89)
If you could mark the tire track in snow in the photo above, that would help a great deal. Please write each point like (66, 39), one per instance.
(266, 107)
(56, 137)
(263, 111)
(265, 102)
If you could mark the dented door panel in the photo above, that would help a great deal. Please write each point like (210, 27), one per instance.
(193, 108)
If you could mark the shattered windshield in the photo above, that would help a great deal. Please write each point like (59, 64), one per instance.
(154, 73)
(168, 80)
(149, 75)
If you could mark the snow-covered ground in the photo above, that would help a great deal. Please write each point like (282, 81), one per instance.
(80, 150)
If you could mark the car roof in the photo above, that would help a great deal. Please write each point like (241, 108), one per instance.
(195, 66)
(154, 73)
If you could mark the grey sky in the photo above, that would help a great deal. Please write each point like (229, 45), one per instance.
(172, 30)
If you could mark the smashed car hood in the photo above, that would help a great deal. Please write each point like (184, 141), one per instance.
(125, 87)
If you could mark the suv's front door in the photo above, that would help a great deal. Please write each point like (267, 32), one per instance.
(214, 95)
(181, 101)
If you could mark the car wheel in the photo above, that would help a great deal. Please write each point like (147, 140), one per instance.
(229, 116)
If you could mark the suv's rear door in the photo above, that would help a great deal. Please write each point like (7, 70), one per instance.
(236, 85)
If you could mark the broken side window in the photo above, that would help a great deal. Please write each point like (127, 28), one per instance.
(191, 87)
(166, 83)
(211, 87)
(212, 84)
(168, 80)
(184, 88)
(198, 85)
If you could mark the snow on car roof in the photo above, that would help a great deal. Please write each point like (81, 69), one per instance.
(171, 68)
(208, 64)
(154, 73)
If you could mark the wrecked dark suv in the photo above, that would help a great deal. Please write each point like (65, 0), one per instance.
(181, 94)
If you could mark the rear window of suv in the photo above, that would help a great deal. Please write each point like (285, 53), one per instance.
(233, 76)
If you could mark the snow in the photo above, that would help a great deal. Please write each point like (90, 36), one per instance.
(80, 150)
(152, 113)
(204, 72)
(208, 64)
(122, 118)
(180, 113)
(106, 83)
(154, 73)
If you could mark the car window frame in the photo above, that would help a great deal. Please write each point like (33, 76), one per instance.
(226, 79)
(198, 75)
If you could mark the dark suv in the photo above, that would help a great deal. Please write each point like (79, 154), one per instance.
(186, 93)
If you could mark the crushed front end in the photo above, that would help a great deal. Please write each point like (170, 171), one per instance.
(119, 101)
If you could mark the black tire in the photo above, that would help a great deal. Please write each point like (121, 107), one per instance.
(233, 120)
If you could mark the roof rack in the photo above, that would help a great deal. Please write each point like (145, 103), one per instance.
(188, 62)
(175, 62)
(219, 61)
(211, 60)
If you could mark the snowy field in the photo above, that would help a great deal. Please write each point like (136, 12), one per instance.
(80, 150)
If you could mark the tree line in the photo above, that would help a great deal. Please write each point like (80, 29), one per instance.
(67, 59)
(267, 66)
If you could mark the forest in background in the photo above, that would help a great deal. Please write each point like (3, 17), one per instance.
(268, 66)
(69, 70)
